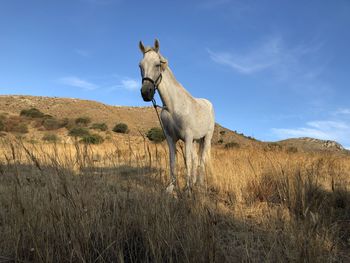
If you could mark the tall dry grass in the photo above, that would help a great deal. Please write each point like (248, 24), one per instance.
(80, 203)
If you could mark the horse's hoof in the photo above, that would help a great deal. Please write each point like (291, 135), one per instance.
(170, 188)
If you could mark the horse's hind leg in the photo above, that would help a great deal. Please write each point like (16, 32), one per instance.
(172, 156)
(188, 156)
(194, 163)
(205, 149)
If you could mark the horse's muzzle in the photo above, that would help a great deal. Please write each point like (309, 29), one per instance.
(147, 91)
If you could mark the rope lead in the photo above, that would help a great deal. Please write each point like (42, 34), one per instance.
(155, 108)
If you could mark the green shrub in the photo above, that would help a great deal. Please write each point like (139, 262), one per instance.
(78, 132)
(50, 137)
(51, 124)
(121, 128)
(92, 139)
(220, 141)
(156, 135)
(82, 121)
(222, 132)
(32, 113)
(231, 145)
(99, 126)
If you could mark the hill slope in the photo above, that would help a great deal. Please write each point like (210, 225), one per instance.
(141, 119)
(138, 119)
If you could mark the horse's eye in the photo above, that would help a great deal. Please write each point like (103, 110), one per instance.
(158, 65)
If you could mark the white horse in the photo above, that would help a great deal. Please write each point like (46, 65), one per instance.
(183, 117)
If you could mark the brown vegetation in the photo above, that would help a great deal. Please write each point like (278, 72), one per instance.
(75, 202)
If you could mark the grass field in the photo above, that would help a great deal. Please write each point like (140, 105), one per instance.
(107, 203)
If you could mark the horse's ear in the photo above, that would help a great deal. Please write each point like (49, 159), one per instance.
(142, 47)
(156, 45)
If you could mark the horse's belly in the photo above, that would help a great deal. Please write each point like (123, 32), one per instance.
(179, 125)
(173, 125)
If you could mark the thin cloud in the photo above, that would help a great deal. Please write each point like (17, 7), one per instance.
(300, 132)
(240, 66)
(272, 54)
(78, 83)
(129, 84)
(342, 112)
(124, 83)
(325, 129)
(258, 59)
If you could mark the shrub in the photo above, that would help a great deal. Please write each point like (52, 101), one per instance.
(92, 139)
(21, 128)
(231, 145)
(274, 146)
(78, 132)
(82, 121)
(51, 124)
(156, 135)
(121, 128)
(50, 137)
(220, 141)
(292, 149)
(222, 132)
(99, 126)
(2, 125)
(15, 124)
(32, 113)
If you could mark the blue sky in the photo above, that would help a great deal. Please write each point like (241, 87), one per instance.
(273, 69)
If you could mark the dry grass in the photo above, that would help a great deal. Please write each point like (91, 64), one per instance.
(106, 203)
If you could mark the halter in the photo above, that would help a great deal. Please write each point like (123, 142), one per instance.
(155, 85)
(154, 82)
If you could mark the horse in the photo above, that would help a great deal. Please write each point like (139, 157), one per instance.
(182, 117)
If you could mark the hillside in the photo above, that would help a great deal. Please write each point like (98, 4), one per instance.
(141, 119)
(138, 119)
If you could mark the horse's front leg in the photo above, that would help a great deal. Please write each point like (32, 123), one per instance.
(172, 156)
(188, 156)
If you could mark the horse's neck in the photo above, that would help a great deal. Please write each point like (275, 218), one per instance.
(171, 92)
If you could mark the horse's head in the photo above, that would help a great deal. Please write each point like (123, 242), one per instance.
(152, 65)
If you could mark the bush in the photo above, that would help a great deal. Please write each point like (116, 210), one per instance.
(82, 121)
(32, 113)
(50, 137)
(155, 135)
(15, 124)
(222, 132)
(21, 128)
(231, 145)
(92, 139)
(220, 141)
(274, 146)
(99, 126)
(121, 128)
(78, 132)
(51, 124)
(292, 149)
